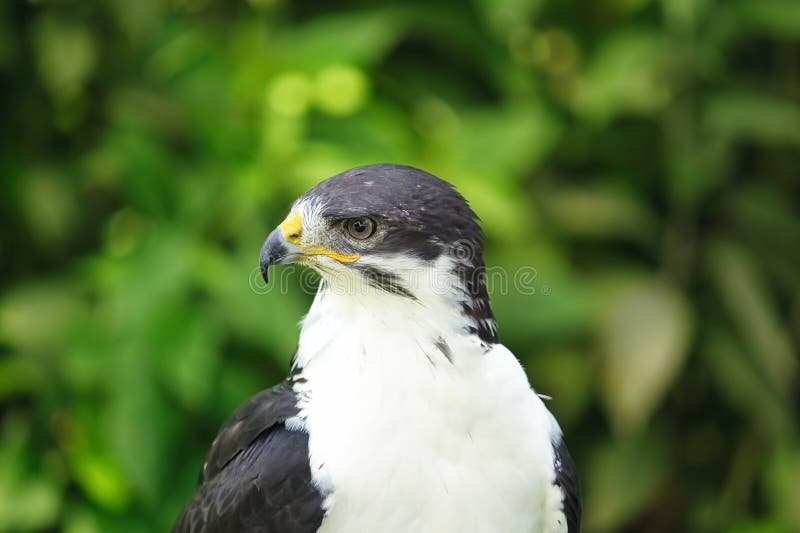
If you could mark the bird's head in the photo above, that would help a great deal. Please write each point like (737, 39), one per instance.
(390, 229)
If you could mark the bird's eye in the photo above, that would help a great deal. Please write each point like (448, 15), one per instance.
(360, 228)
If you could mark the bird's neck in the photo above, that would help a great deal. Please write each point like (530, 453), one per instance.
(379, 327)
(431, 313)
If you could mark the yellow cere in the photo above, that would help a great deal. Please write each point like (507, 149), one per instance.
(292, 229)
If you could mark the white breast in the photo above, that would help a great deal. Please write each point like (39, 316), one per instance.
(403, 440)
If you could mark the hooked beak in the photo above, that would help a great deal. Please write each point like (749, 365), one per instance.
(277, 251)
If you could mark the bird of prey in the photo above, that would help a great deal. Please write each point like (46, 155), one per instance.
(402, 411)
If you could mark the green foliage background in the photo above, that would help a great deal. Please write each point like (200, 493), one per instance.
(640, 155)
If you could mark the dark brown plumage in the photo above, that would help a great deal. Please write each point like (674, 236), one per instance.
(256, 478)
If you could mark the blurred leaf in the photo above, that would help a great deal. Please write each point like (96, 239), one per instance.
(500, 208)
(684, 14)
(32, 505)
(783, 481)
(746, 300)
(17, 376)
(631, 5)
(29, 501)
(102, 480)
(620, 480)
(49, 205)
(139, 428)
(768, 525)
(744, 388)
(780, 18)
(138, 20)
(505, 142)
(740, 116)
(598, 213)
(290, 94)
(558, 53)
(81, 521)
(189, 351)
(341, 89)
(66, 56)
(124, 232)
(186, 49)
(504, 14)
(38, 316)
(625, 75)
(769, 225)
(535, 298)
(644, 335)
(360, 38)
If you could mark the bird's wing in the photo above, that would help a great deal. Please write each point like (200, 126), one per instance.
(256, 477)
(567, 480)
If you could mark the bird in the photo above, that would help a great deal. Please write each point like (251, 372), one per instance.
(402, 410)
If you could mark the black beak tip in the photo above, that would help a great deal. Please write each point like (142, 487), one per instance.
(265, 272)
(273, 251)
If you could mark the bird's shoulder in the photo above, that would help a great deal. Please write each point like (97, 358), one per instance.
(256, 476)
(258, 414)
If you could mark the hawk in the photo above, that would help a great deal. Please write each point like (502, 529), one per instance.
(402, 411)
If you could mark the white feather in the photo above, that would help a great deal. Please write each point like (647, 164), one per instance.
(403, 440)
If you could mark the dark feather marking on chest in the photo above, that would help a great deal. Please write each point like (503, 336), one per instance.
(384, 280)
(443, 347)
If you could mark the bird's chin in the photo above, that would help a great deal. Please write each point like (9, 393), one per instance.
(323, 265)
(341, 276)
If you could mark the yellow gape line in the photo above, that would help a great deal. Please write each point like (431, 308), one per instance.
(292, 229)
(321, 250)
